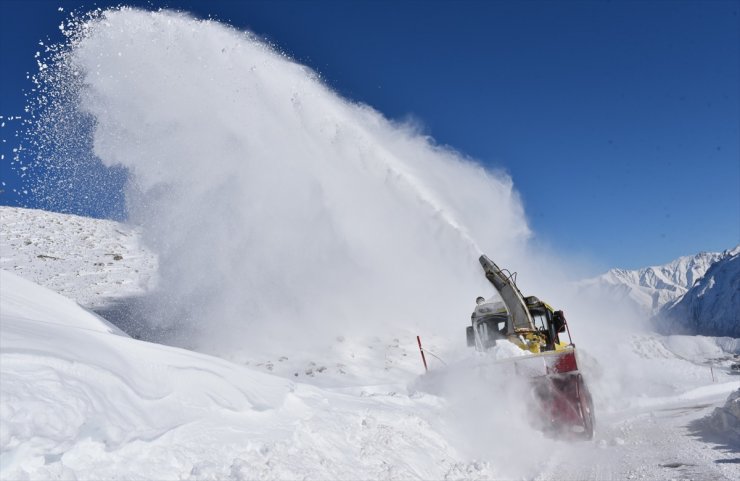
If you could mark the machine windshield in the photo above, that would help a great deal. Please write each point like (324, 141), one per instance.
(491, 328)
(540, 319)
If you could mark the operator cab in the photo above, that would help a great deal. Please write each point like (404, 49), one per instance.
(490, 322)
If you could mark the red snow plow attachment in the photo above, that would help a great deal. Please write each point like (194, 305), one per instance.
(561, 398)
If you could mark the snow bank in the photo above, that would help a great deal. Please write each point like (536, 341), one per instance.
(26, 301)
(725, 421)
(702, 348)
(77, 400)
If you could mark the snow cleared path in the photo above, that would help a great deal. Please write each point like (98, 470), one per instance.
(655, 444)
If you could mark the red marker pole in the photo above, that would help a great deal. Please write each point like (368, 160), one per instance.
(421, 350)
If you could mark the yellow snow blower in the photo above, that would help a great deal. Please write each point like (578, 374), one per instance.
(563, 403)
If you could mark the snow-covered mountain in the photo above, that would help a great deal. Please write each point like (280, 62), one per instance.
(92, 261)
(712, 306)
(651, 288)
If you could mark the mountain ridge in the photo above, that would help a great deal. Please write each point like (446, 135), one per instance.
(651, 288)
(712, 305)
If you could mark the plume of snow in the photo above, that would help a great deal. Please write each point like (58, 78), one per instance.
(275, 206)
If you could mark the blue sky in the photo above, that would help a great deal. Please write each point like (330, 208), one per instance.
(618, 121)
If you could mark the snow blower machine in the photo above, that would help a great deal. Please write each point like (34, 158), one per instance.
(562, 405)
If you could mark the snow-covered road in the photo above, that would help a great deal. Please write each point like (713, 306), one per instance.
(663, 442)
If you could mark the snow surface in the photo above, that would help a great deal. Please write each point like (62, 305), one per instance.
(93, 261)
(724, 422)
(80, 400)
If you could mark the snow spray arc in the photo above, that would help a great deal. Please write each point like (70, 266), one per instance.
(273, 203)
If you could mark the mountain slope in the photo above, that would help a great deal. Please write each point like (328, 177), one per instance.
(91, 261)
(712, 306)
(650, 288)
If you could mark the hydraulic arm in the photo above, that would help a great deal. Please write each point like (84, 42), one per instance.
(510, 294)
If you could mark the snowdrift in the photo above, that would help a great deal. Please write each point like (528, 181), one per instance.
(725, 420)
(79, 399)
